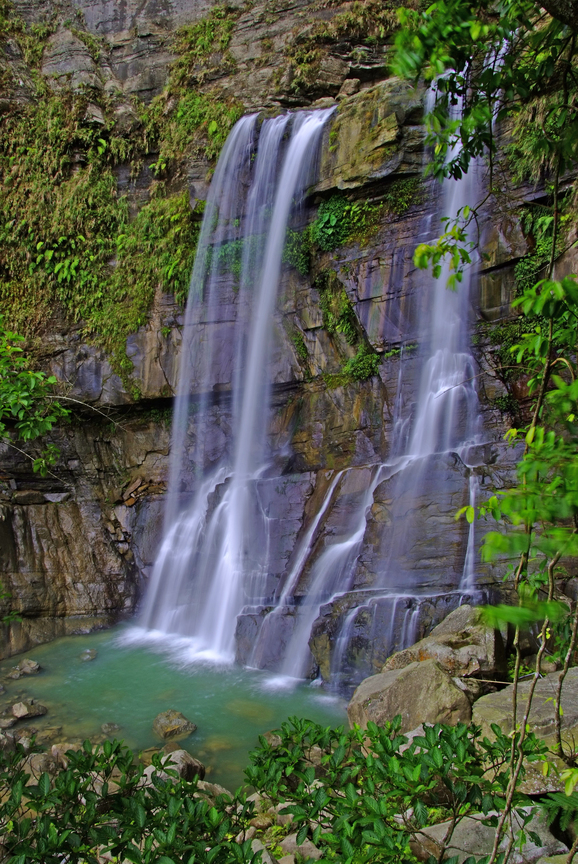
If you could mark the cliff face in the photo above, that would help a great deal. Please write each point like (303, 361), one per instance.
(77, 547)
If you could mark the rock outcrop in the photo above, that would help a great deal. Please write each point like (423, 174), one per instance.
(462, 644)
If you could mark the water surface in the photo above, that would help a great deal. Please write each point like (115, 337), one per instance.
(135, 676)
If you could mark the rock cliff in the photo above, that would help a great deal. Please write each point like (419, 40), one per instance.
(77, 546)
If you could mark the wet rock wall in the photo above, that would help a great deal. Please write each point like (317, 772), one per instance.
(77, 547)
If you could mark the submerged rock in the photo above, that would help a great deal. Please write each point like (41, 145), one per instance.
(89, 654)
(110, 728)
(462, 644)
(48, 735)
(172, 724)
(421, 693)
(24, 710)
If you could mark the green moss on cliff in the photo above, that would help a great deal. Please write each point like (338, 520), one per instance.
(336, 307)
(371, 21)
(66, 238)
(68, 242)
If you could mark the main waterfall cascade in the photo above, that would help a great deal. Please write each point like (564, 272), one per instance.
(206, 571)
(214, 565)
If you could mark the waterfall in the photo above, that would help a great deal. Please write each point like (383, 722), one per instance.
(213, 558)
(442, 420)
(214, 566)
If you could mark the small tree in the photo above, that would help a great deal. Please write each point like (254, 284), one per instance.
(28, 408)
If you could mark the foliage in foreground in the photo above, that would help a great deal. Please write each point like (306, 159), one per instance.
(346, 791)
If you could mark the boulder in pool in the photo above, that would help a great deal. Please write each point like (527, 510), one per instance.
(172, 725)
(25, 667)
(25, 710)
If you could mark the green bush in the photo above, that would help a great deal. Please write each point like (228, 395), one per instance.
(364, 365)
(346, 792)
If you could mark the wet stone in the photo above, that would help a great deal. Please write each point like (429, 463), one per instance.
(25, 667)
(172, 724)
(110, 728)
(89, 654)
(24, 710)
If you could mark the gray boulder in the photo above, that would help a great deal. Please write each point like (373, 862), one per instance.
(421, 693)
(172, 724)
(462, 644)
(186, 766)
(472, 837)
(497, 708)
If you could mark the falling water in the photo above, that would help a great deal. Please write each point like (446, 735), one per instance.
(214, 560)
(205, 571)
(444, 421)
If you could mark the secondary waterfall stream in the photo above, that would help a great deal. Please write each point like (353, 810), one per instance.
(214, 564)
